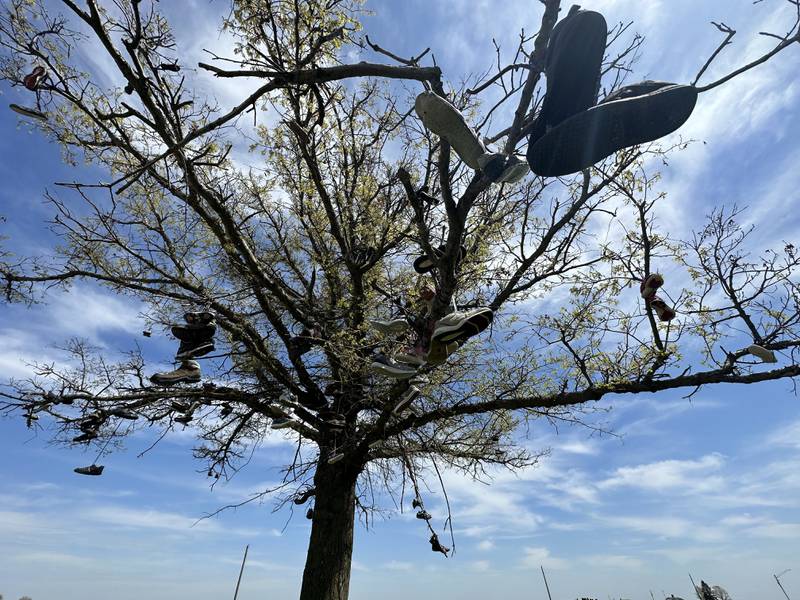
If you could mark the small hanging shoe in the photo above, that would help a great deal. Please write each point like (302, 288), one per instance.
(33, 80)
(424, 515)
(665, 313)
(93, 470)
(648, 286)
(436, 546)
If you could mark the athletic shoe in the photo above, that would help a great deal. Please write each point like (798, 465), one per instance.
(335, 458)
(648, 287)
(423, 264)
(196, 340)
(411, 394)
(282, 422)
(90, 470)
(34, 78)
(184, 419)
(493, 165)
(382, 365)
(443, 119)
(389, 327)
(416, 503)
(458, 326)
(202, 317)
(766, 356)
(438, 352)
(179, 406)
(147, 333)
(188, 372)
(515, 169)
(436, 546)
(424, 515)
(124, 414)
(85, 437)
(664, 312)
(28, 112)
(574, 58)
(413, 355)
(310, 514)
(592, 135)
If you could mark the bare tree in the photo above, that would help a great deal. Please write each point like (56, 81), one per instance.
(319, 239)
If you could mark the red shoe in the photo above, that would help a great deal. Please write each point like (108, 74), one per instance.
(664, 312)
(34, 78)
(648, 287)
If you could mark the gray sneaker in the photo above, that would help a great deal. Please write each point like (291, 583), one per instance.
(94, 470)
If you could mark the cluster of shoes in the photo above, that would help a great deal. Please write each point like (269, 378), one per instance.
(438, 340)
(572, 131)
(424, 515)
(196, 339)
(90, 428)
(32, 81)
(647, 289)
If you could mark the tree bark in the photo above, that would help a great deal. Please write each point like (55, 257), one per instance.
(330, 548)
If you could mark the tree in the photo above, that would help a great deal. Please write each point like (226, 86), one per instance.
(319, 239)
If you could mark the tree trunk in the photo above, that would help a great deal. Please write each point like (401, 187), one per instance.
(330, 549)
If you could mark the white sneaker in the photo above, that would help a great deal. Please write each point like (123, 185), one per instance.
(28, 112)
(445, 120)
(460, 325)
(393, 326)
(766, 356)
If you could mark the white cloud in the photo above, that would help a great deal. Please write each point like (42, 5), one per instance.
(684, 476)
(534, 557)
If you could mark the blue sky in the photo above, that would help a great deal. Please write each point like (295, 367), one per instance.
(708, 486)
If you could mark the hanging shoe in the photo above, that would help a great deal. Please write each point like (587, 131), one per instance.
(572, 67)
(301, 344)
(196, 340)
(766, 356)
(283, 422)
(424, 515)
(390, 327)
(383, 365)
(94, 470)
(436, 546)
(648, 287)
(310, 513)
(664, 312)
(446, 121)
(592, 135)
(458, 326)
(515, 170)
(335, 458)
(423, 264)
(416, 503)
(412, 355)
(185, 419)
(85, 437)
(28, 112)
(202, 317)
(438, 352)
(179, 406)
(123, 414)
(188, 372)
(34, 78)
(411, 394)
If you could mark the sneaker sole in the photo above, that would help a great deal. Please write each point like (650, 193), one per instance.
(446, 121)
(195, 352)
(382, 369)
(405, 401)
(463, 330)
(286, 425)
(575, 56)
(167, 383)
(590, 136)
(27, 112)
